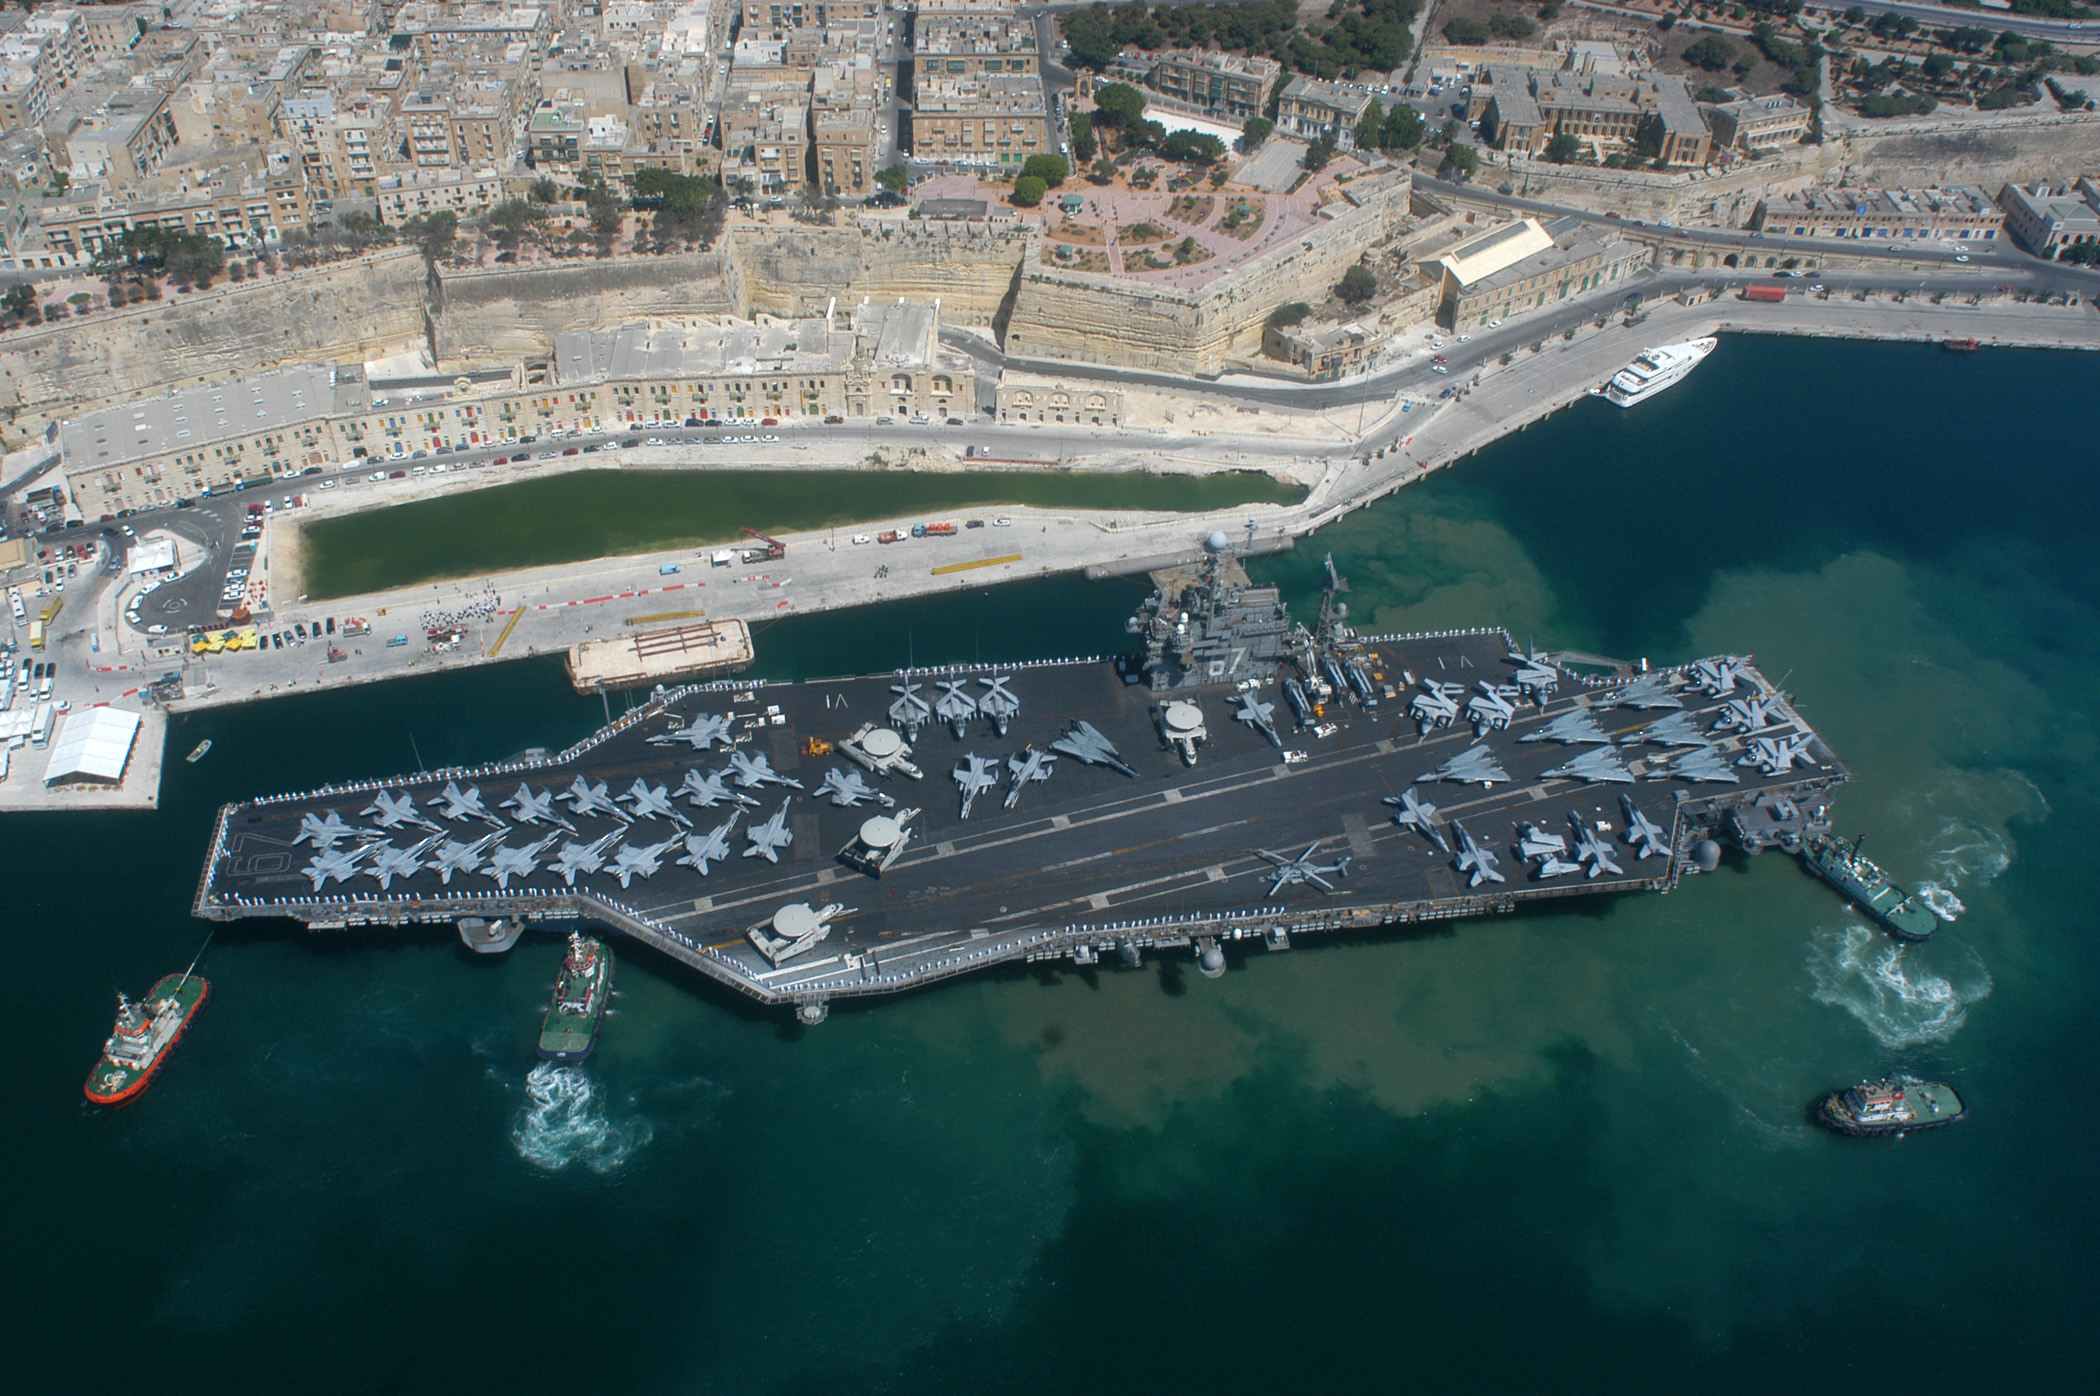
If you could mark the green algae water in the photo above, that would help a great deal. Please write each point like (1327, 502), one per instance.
(1567, 1150)
(606, 513)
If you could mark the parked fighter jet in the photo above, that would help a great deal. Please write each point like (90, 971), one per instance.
(1085, 744)
(391, 811)
(1472, 858)
(702, 732)
(954, 706)
(1703, 763)
(753, 771)
(1033, 766)
(998, 702)
(1476, 765)
(1594, 764)
(1647, 691)
(769, 838)
(848, 788)
(1418, 814)
(1553, 865)
(534, 809)
(1255, 714)
(1674, 729)
(1302, 869)
(1574, 725)
(577, 858)
(1745, 714)
(653, 802)
(467, 804)
(1536, 678)
(974, 775)
(323, 834)
(454, 856)
(1535, 842)
(1493, 707)
(1436, 705)
(1775, 756)
(1591, 851)
(336, 863)
(631, 861)
(712, 847)
(389, 862)
(1716, 678)
(506, 863)
(707, 791)
(910, 711)
(1643, 833)
(586, 798)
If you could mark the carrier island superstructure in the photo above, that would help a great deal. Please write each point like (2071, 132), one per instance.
(1237, 780)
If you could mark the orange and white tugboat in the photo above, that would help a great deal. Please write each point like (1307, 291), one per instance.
(1894, 1106)
(147, 1030)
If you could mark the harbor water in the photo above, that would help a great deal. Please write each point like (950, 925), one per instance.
(1568, 1150)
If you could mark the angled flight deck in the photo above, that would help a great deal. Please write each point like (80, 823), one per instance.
(1239, 776)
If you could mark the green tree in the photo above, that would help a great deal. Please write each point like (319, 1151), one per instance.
(1370, 129)
(606, 210)
(1083, 143)
(1462, 160)
(1357, 285)
(1564, 147)
(1402, 129)
(434, 235)
(1505, 26)
(545, 191)
(1647, 137)
(1192, 147)
(1285, 316)
(1050, 169)
(1318, 154)
(1713, 53)
(1466, 30)
(1118, 104)
(895, 178)
(1257, 130)
(512, 221)
(1029, 191)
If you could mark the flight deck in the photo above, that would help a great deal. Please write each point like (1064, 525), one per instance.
(1240, 779)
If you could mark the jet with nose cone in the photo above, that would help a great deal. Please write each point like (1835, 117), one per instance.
(653, 802)
(640, 860)
(506, 863)
(391, 811)
(467, 804)
(1474, 859)
(702, 732)
(454, 856)
(577, 858)
(323, 834)
(711, 789)
(1592, 852)
(1083, 742)
(586, 798)
(711, 847)
(537, 809)
(1418, 814)
(910, 711)
(954, 706)
(1034, 765)
(390, 862)
(754, 771)
(336, 863)
(769, 838)
(975, 775)
(998, 703)
(1643, 833)
(848, 788)
(1255, 714)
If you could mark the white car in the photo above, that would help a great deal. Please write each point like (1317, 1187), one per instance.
(1002, 522)
(328, 484)
(768, 438)
(1961, 256)
(1465, 339)
(860, 538)
(654, 441)
(376, 476)
(1494, 324)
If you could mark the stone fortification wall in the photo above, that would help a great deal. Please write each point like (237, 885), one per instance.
(968, 267)
(1092, 318)
(495, 316)
(346, 312)
(2056, 149)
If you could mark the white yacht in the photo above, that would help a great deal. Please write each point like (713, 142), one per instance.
(1655, 370)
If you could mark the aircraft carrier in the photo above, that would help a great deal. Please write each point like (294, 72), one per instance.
(1237, 777)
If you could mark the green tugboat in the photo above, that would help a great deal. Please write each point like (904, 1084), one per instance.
(1894, 1106)
(1844, 867)
(581, 991)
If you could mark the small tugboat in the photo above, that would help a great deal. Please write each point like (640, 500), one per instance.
(1844, 867)
(197, 753)
(581, 991)
(1894, 1106)
(147, 1030)
(1959, 346)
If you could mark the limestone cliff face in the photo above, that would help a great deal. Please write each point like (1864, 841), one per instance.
(968, 267)
(495, 316)
(343, 312)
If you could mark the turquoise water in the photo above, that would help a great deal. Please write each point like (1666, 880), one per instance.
(1561, 1151)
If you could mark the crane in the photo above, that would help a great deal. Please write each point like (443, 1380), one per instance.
(775, 549)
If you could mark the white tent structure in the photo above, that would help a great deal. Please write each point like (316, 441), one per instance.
(92, 746)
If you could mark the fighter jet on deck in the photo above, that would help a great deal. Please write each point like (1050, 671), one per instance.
(467, 804)
(338, 864)
(1535, 842)
(1416, 813)
(1716, 678)
(506, 863)
(1775, 756)
(1594, 853)
(702, 732)
(769, 838)
(1255, 714)
(1472, 858)
(711, 847)
(391, 811)
(954, 706)
(1034, 765)
(1703, 763)
(1643, 833)
(1574, 725)
(753, 771)
(586, 798)
(1493, 707)
(537, 809)
(577, 858)
(1436, 705)
(910, 711)
(1083, 743)
(389, 862)
(1674, 729)
(1745, 715)
(1595, 764)
(1536, 678)
(975, 775)
(323, 834)
(998, 702)
(848, 788)
(454, 856)
(1647, 691)
(653, 802)
(1476, 765)
(631, 861)
(707, 791)
(1302, 869)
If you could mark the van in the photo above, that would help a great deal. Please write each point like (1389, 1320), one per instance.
(669, 569)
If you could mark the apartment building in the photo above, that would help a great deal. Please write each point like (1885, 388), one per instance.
(1232, 86)
(1311, 110)
(1955, 212)
(1758, 123)
(984, 120)
(969, 45)
(2047, 221)
(1530, 106)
